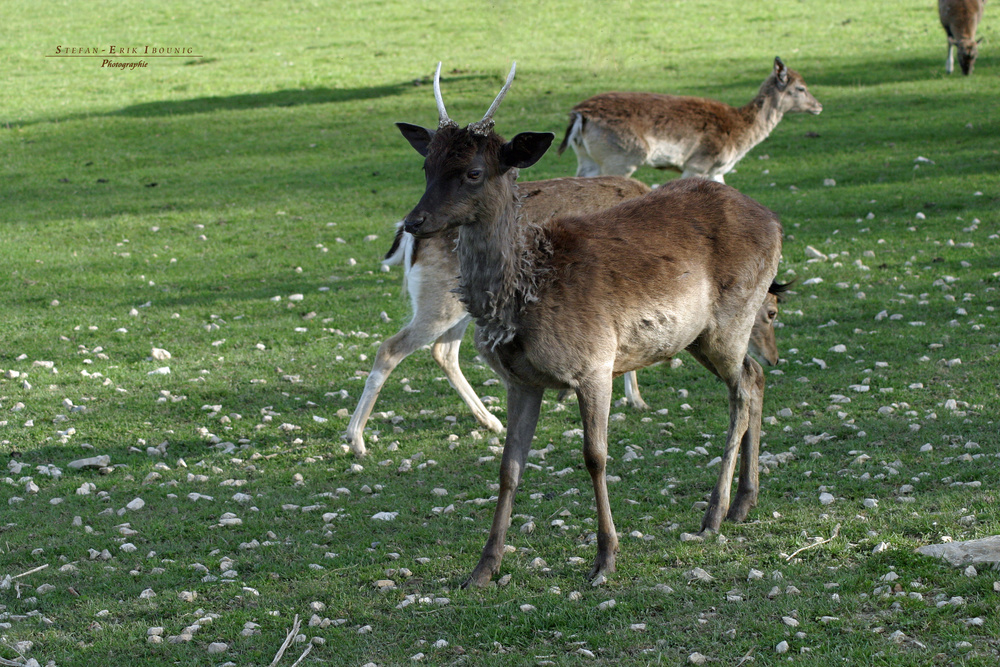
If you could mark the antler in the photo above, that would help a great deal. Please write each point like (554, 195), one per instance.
(443, 119)
(485, 125)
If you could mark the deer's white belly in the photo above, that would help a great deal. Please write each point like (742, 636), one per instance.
(671, 152)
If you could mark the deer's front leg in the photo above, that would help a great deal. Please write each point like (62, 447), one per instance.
(594, 396)
(523, 405)
(392, 351)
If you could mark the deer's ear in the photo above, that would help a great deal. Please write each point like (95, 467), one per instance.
(525, 149)
(780, 73)
(419, 137)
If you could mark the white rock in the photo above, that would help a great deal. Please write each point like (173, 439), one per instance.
(136, 504)
(165, 370)
(698, 574)
(160, 354)
(826, 498)
(385, 516)
(102, 461)
(812, 253)
(782, 647)
(217, 647)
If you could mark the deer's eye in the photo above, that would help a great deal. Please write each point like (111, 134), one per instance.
(800, 89)
(474, 174)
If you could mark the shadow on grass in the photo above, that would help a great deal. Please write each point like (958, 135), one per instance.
(276, 99)
(279, 98)
(839, 72)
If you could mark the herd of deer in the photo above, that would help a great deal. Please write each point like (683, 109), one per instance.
(574, 281)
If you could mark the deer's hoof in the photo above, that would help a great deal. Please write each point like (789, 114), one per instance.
(637, 404)
(741, 507)
(477, 579)
(357, 446)
(603, 566)
(493, 424)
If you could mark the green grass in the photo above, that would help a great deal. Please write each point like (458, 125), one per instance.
(274, 157)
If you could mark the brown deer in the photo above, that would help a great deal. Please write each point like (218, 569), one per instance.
(439, 319)
(431, 276)
(960, 19)
(616, 133)
(571, 304)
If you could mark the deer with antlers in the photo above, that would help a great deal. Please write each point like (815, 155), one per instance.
(616, 133)
(571, 304)
(439, 319)
(431, 275)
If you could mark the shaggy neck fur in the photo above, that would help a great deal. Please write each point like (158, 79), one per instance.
(503, 260)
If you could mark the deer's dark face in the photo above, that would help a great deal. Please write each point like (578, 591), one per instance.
(468, 174)
(762, 341)
(967, 52)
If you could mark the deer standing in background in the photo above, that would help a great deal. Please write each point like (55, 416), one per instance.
(616, 133)
(571, 304)
(960, 19)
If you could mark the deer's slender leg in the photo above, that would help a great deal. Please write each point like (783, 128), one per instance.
(523, 405)
(445, 351)
(594, 395)
(746, 492)
(585, 165)
(390, 353)
(949, 62)
(632, 395)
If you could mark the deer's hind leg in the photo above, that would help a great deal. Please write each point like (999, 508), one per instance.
(744, 381)
(445, 352)
(749, 486)
(594, 396)
(632, 395)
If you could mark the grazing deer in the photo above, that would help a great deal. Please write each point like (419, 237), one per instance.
(571, 304)
(960, 19)
(431, 276)
(616, 133)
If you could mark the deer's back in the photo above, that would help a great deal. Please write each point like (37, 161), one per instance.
(541, 201)
(653, 114)
(684, 223)
(960, 17)
(641, 281)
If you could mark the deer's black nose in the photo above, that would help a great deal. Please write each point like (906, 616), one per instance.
(414, 221)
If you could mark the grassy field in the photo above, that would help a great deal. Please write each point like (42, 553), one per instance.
(232, 207)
